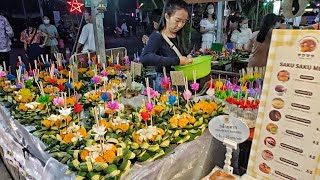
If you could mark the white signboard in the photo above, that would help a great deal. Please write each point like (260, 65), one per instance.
(228, 127)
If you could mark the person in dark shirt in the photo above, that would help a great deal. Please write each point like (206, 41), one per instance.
(158, 52)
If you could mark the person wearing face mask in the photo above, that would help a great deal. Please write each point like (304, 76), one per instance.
(86, 39)
(208, 27)
(52, 32)
(164, 48)
(259, 43)
(241, 36)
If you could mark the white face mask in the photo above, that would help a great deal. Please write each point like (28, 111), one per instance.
(46, 21)
(210, 11)
(244, 25)
(277, 25)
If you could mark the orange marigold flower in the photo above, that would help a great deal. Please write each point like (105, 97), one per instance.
(61, 81)
(82, 70)
(84, 154)
(67, 138)
(82, 131)
(47, 123)
(135, 137)
(22, 107)
(100, 159)
(109, 156)
(158, 109)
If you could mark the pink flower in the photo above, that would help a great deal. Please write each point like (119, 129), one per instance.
(58, 101)
(149, 106)
(153, 93)
(113, 105)
(104, 73)
(3, 73)
(96, 79)
(195, 86)
(187, 95)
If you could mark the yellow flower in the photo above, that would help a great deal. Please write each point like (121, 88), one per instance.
(93, 96)
(71, 101)
(64, 72)
(182, 120)
(47, 123)
(109, 156)
(25, 93)
(67, 138)
(115, 81)
(84, 154)
(82, 131)
(90, 73)
(158, 109)
(205, 107)
(61, 81)
(46, 78)
(77, 85)
(82, 70)
(22, 107)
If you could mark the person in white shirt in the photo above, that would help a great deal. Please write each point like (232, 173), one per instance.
(124, 29)
(241, 36)
(208, 27)
(6, 33)
(86, 39)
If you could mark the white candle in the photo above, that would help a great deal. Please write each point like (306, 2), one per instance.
(36, 64)
(99, 60)
(4, 66)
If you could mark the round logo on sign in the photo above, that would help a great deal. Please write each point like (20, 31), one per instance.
(228, 127)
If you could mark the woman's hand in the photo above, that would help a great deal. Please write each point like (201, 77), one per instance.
(145, 39)
(185, 60)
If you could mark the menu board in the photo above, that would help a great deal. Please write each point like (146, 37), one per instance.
(286, 142)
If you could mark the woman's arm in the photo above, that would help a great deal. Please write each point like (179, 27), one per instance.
(204, 30)
(45, 39)
(149, 56)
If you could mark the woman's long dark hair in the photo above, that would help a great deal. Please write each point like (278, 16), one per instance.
(268, 23)
(240, 21)
(205, 13)
(171, 7)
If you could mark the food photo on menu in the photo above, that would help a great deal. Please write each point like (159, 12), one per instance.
(275, 115)
(281, 90)
(308, 44)
(270, 142)
(272, 128)
(278, 103)
(267, 155)
(283, 76)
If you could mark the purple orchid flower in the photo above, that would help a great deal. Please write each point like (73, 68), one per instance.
(104, 73)
(127, 61)
(19, 85)
(149, 106)
(113, 105)
(90, 62)
(195, 86)
(95, 79)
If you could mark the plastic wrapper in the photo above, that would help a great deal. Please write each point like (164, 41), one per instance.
(192, 160)
(26, 152)
(56, 170)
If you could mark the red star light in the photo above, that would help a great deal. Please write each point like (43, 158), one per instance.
(75, 6)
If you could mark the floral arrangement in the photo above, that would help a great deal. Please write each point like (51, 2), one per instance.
(78, 114)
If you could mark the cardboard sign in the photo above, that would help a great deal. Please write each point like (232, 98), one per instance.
(286, 142)
(129, 80)
(75, 74)
(228, 127)
(136, 68)
(177, 78)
